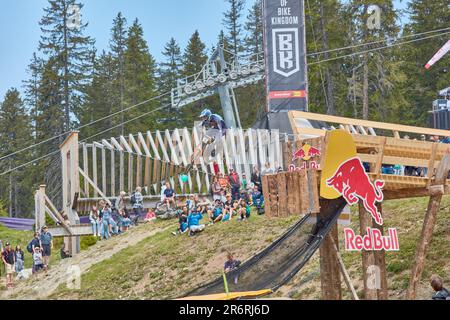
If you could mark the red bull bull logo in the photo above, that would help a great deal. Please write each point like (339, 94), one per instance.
(306, 153)
(353, 183)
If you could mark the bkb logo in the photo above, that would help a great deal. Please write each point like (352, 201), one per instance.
(286, 60)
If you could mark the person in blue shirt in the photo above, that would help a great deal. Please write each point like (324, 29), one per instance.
(169, 195)
(257, 199)
(215, 214)
(46, 243)
(193, 221)
(182, 222)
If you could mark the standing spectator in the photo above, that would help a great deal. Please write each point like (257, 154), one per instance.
(9, 259)
(440, 293)
(38, 261)
(20, 259)
(216, 189)
(231, 263)
(46, 240)
(256, 178)
(94, 218)
(169, 195)
(138, 202)
(193, 221)
(235, 183)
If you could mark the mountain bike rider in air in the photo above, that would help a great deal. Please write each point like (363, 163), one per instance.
(214, 124)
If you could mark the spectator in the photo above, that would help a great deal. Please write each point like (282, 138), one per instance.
(215, 214)
(138, 203)
(38, 261)
(182, 222)
(224, 184)
(94, 218)
(231, 263)
(440, 293)
(120, 204)
(244, 187)
(256, 178)
(9, 259)
(46, 243)
(64, 253)
(20, 259)
(190, 202)
(105, 219)
(258, 200)
(193, 220)
(169, 195)
(235, 183)
(243, 210)
(163, 187)
(267, 169)
(216, 189)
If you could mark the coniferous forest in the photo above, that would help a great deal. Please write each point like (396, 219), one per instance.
(71, 84)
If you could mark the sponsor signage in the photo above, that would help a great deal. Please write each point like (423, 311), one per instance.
(307, 154)
(285, 55)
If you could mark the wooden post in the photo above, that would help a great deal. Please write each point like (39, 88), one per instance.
(368, 259)
(380, 261)
(330, 277)
(39, 197)
(345, 274)
(266, 194)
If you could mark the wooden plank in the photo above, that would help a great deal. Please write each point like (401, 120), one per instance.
(121, 171)
(130, 172)
(77, 230)
(125, 144)
(261, 149)
(85, 166)
(241, 143)
(174, 156)
(113, 173)
(135, 145)
(368, 258)
(94, 166)
(116, 144)
(431, 163)
(107, 144)
(251, 145)
(88, 180)
(143, 144)
(304, 192)
(380, 261)
(379, 162)
(266, 194)
(367, 123)
(282, 194)
(153, 144)
(103, 170)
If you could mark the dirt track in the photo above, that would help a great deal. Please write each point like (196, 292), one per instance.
(42, 285)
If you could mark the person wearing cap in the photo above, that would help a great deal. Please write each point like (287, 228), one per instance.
(46, 241)
(9, 259)
(235, 183)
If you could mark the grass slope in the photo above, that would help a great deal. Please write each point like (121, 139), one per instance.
(164, 266)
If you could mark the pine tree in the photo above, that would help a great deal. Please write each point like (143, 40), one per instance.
(254, 29)
(169, 72)
(15, 127)
(62, 39)
(118, 47)
(233, 25)
(140, 79)
(32, 87)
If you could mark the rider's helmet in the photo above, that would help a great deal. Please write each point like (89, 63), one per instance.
(205, 114)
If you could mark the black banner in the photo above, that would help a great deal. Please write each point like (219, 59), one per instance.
(285, 55)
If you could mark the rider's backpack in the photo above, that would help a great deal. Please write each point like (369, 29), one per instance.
(30, 246)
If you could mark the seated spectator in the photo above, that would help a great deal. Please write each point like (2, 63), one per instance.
(267, 169)
(258, 200)
(398, 169)
(64, 252)
(169, 195)
(243, 210)
(150, 216)
(440, 293)
(193, 221)
(245, 187)
(228, 205)
(38, 260)
(20, 259)
(109, 225)
(182, 222)
(94, 219)
(387, 169)
(216, 213)
(190, 202)
(224, 184)
(231, 263)
(202, 205)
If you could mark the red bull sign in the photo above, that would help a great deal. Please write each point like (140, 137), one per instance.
(353, 183)
(306, 153)
(372, 240)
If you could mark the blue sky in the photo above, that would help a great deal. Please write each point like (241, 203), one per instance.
(161, 20)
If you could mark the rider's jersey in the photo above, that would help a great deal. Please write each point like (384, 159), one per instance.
(215, 122)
